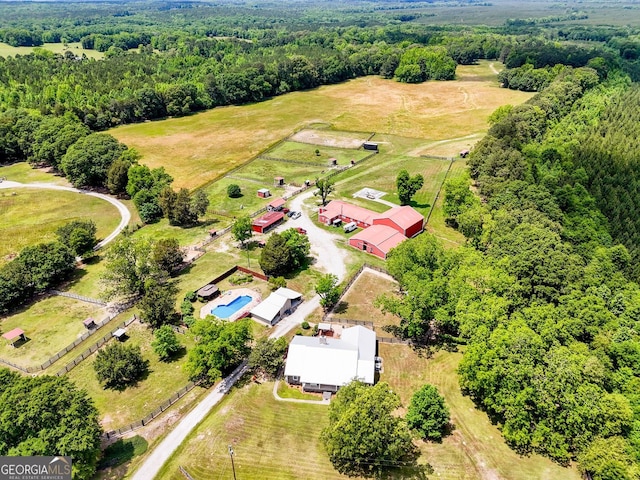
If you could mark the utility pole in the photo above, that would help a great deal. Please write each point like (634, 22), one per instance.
(233, 467)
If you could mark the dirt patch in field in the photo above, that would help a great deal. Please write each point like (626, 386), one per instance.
(327, 139)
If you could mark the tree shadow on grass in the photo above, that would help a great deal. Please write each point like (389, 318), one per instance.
(177, 355)
(417, 205)
(341, 307)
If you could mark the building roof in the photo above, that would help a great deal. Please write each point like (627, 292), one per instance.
(207, 290)
(337, 207)
(268, 219)
(269, 308)
(405, 217)
(13, 334)
(331, 361)
(264, 190)
(288, 293)
(381, 236)
(324, 326)
(277, 202)
(88, 321)
(119, 332)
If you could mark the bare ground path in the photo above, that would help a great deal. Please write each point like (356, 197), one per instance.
(125, 214)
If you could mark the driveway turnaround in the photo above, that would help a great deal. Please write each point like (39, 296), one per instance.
(125, 214)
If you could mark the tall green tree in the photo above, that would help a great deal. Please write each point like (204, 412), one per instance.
(408, 186)
(118, 366)
(242, 229)
(364, 437)
(157, 305)
(87, 161)
(47, 415)
(165, 343)
(220, 347)
(79, 236)
(327, 288)
(427, 413)
(267, 355)
(325, 186)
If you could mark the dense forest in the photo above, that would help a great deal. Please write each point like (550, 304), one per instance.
(543, 294)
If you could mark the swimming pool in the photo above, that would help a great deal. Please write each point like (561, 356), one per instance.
(225, 311)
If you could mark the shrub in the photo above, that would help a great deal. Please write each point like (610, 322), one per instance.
(233, 191)
(190, 296)
(186, 308)
(305, 325)
(277, 282)
(118, 365)
(240, 278)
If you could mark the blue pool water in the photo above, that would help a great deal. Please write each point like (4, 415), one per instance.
(225, 311)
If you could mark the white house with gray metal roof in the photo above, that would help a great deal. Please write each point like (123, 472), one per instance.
(324, 364)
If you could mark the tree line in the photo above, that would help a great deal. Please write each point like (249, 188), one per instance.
(541, 293)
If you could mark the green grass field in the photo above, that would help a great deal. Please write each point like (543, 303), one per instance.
(50, 325)
(120, 408)
(357, 304)
(199, 148)
(304, 152)
(75, 48)
(450, 237)
(24, 173)
(475, 449)
(380, 173)
(32, 216)
(271, 440)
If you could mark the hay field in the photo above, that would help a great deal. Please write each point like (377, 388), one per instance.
(7, 50)
(199, 148)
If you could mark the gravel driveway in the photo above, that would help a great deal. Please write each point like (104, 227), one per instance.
(329, 258)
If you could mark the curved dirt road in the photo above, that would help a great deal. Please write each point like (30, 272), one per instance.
(125, 214)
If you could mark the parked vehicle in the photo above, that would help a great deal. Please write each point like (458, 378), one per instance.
(296, 215)
(350, 227)
(301, 231)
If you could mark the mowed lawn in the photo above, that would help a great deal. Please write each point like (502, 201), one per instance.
(50, 325)
(270, 439)
(475, 450)
(199, 148)
(437, 225)
(32, 216)
(120, 408)
(24, 173)
(304, 152)
(380, 173)
(357, 304)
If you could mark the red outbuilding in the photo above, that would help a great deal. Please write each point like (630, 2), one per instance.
(377, 240)
(403, 219)
(267, 221)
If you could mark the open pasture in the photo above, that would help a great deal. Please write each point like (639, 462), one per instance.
(120, 408)
(271, 440)
(50, 324)
(475, 449)
(200, 148)
(32, 216)
(322, 135)
(358, 303)
(7, 50)
(380, 173)
(305, 152)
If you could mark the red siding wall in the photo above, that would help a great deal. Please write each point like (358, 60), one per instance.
(414, 229)
(370, 248)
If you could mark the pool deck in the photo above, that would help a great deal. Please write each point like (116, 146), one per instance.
(228, 297)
